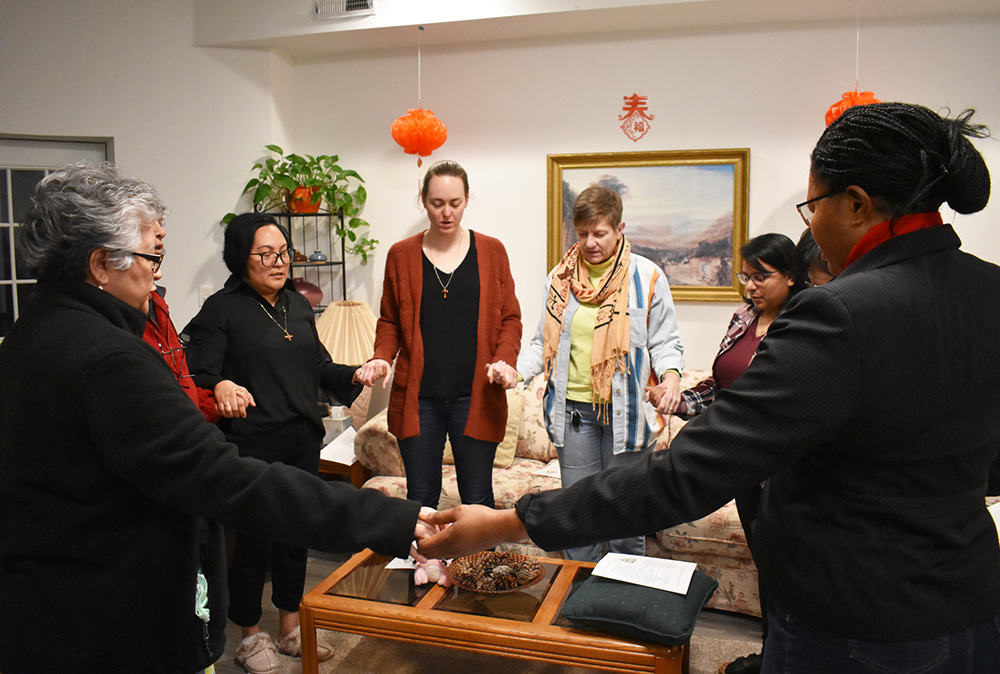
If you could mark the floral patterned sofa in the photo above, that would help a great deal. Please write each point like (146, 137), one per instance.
(526, 462)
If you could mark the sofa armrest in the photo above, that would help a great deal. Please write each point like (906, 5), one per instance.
(377, 449)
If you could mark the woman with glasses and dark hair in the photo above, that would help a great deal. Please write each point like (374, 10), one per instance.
(259, 334)
(870, 411)
(771, 277)
(112, 486)
(810, 259)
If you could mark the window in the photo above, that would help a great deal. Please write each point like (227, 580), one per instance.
(23, 162)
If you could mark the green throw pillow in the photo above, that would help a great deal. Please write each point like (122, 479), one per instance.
(639, 612)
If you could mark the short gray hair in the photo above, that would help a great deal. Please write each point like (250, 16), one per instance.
(82, 208)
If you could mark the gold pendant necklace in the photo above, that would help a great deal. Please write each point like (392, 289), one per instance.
(288, 335)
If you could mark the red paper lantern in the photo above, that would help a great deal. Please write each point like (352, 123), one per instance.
(419, 132)
(849, 100)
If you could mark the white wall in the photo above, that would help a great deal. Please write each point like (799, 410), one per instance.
(509, 105)
(189, 120)
(192, 120)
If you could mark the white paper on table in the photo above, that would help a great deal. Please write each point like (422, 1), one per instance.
(662, 574)
(400, 563)
(551, 469)
(341, 450)
(995, 511)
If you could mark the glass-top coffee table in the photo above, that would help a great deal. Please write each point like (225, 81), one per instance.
(363, 597)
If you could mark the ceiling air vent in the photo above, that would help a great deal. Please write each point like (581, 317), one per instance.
(339, 9)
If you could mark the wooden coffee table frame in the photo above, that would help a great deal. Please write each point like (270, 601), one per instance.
(538, 639)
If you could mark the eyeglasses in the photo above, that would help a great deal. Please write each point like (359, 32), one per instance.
(157, 259)
(270, 258)
(806, 213)
(757, 277)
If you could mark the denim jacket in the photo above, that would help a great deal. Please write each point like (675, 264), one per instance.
(655, 348)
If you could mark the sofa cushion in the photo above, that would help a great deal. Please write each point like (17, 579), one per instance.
(719, 533)
(507, 448)
(509, 484)
(533, 440)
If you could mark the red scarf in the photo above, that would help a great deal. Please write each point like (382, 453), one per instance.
(884, 231)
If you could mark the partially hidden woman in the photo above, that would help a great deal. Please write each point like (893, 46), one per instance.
(771, 276)
(608, 339)
(873, 534)
(451, 321)
(257, 333)
(107, 467)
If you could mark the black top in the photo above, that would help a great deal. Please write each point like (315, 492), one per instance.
(238, 335)
(871, 410)
(98, 503)
(448, 324)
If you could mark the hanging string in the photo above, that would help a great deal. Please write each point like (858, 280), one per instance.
(857, 45)
(419, 97)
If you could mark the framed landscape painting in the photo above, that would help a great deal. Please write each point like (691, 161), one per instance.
(684, 210)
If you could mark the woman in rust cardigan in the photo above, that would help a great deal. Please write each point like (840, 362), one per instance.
(450, 319)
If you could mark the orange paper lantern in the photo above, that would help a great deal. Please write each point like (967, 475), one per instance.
(419, 132)
(849, 100)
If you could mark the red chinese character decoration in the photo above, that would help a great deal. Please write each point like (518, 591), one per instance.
(849, 100)
(419, 132)
(636, 122)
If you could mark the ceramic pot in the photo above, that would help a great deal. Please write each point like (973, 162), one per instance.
(308, 290)
(300, 200)
(317, 256)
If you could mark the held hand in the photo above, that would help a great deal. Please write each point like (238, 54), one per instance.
(232, 400)
(422, 531)
(501, 373)
(372, 371)
(665, 396)
(470, 528)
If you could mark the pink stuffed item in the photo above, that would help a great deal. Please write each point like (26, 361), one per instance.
(431, 571)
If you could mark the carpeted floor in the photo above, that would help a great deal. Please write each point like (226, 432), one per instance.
(368, 655)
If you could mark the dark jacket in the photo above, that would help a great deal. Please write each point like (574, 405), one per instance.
(105, 465)
(872, 408)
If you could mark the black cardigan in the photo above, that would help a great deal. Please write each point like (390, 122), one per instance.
(105, 467)
(872, 410)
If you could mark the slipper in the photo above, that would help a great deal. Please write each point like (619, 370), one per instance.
(258, 655)
(292, 645)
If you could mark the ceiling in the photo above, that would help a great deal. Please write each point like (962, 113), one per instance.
(343, 36)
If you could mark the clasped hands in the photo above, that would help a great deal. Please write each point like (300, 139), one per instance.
(232, 400)
(463, 530)
(498, 372)
(666, 396)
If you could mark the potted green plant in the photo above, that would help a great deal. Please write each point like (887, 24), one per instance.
(308, 184)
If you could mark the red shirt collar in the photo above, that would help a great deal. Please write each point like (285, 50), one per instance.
(882, 232)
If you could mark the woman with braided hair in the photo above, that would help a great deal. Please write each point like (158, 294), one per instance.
(870, 410)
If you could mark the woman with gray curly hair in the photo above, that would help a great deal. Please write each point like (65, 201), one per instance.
(111, 511)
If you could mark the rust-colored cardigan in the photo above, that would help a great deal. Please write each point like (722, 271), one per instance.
(398, 332)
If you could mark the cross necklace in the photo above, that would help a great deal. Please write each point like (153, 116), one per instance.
(288, 335)
(444, 286)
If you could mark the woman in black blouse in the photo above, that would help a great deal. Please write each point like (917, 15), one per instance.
(260, 333)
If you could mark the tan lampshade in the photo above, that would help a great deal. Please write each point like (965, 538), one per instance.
(347, 330)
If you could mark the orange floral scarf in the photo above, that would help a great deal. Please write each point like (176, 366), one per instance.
(611, 330)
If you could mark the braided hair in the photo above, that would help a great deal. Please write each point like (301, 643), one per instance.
(908, 157)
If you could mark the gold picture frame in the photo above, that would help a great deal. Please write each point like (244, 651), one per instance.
(685, 210)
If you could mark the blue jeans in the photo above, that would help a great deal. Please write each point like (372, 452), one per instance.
(589, 449)
(422, 454)
(795, 648)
